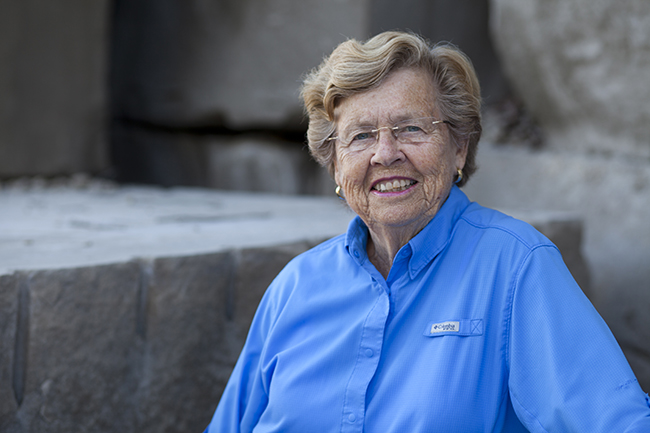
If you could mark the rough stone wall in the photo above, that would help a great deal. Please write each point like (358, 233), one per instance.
(582, 67)
(207, 72)
(139, 346)
(53, 71)
(232, 63)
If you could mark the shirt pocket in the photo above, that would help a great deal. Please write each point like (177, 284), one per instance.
(458, 327)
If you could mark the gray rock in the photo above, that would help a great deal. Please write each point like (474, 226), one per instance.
(53, 86)
(257, 163)
(582, 68)
(241, 162)
(64, 228)
(227, 63)
(82, 366)
(186, 361)
(8, 320)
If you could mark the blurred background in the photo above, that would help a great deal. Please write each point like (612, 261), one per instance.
(205, 93)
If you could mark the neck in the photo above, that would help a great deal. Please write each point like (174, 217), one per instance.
(385, 242)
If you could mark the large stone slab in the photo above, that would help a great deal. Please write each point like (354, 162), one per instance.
(9, 310)
(582, 68)
(260, 162)
(59, 228)
(53, 73)
(81, 368)
(186, 355)
(227, 63)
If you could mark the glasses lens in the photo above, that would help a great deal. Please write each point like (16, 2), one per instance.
(359, 138)
(408, 131)
(414, 130)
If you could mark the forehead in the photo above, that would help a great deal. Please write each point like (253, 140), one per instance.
(405, 93)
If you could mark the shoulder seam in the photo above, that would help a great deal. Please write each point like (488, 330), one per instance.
(510, 232)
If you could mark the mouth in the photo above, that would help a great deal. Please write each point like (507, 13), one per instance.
(395, 185)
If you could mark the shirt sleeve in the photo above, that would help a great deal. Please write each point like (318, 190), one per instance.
(567, 372)
(245, 396)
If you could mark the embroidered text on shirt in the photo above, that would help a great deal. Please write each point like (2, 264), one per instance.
(450, 326)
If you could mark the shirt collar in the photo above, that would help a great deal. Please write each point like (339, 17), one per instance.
(426, 245)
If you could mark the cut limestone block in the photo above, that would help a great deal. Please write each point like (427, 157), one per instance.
(82, 364)
(53, 73)
(582, 68)
(11, 375)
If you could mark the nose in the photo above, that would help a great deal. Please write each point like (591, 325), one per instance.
(387, 149)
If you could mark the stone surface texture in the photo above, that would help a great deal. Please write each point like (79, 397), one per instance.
(232, 63)
(81, 369)
(239, 162)
(8, 321)
(57, 228)
(53, 72)
(582, 67)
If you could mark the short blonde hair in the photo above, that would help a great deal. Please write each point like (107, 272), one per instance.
(355, 67)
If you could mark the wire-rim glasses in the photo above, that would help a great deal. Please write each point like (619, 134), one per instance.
(411, 131)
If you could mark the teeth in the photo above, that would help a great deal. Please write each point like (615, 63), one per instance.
(396, 185)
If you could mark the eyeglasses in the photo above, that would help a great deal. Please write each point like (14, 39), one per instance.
(411, 131)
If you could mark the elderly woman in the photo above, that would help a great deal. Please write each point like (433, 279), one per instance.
(431, 313)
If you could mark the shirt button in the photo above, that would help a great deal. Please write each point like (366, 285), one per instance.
(352, 418)
(356, 254)
(369, 353)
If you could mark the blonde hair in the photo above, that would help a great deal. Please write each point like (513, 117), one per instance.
(355, 67)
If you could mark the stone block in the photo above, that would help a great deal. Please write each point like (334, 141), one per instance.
(242, 162)
(53, 86)
(187, 358)
(225, 63)
(582, 68)
(82, 360)
(9, 308)
(259, 163)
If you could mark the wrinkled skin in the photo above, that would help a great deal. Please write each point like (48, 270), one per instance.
(393, 218)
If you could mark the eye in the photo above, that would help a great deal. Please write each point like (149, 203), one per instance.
(362, 136)
(411, 128)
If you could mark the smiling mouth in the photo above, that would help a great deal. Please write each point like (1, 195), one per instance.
(394, 186)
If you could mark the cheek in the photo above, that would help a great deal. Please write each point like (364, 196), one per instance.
(348, 170)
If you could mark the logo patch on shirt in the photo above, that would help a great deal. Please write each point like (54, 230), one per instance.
(464, 328)
(450, 326)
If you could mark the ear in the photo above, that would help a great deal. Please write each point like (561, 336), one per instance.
(461, 154)
(335, 170)
(336, 176)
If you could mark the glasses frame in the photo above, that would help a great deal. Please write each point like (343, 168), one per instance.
(390, 128)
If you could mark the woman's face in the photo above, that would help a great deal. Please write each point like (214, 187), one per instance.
(427, 169)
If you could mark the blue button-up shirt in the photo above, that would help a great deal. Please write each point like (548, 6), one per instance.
(479, 327)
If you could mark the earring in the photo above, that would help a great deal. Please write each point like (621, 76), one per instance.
(460, 176)
(338, 192)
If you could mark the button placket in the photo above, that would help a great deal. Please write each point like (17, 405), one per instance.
(366, 365)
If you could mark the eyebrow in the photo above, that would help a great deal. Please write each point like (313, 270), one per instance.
(356, 123)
